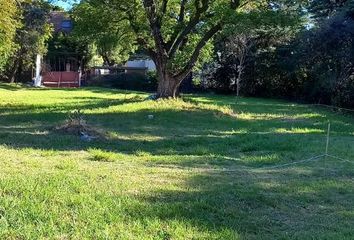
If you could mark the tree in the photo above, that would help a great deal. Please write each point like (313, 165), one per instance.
(326, 55)
(239, 47)
(31, 37)
(176, 33)
(314, 65)
(9, 22)
(322, 9)
(244, 51)
(111, 35)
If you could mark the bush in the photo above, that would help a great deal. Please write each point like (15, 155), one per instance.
(128, 81)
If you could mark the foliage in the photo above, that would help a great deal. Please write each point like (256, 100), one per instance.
(111, 36)
(233, 54)
(322, 9)
(312, 63)
(321, 62)
(94, 59)
(328, 59)
(9, 22)
(31, 37)
(129, 81)
(176, 34)
(250, 45)
(66, 44)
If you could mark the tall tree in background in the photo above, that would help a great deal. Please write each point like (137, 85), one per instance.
(326, 54)
(239, 47)
(9, 22)
(31, 37)
(242, 50)
(176, 34)
(322, 9)
(110, 33)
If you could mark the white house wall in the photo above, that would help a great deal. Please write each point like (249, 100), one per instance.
(149, 64)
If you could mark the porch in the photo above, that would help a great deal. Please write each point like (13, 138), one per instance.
(61, 69)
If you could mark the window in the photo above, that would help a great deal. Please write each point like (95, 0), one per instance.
(66, 24)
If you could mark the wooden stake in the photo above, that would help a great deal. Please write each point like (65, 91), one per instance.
(328, 132)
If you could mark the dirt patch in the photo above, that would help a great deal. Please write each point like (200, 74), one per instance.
(77, 125)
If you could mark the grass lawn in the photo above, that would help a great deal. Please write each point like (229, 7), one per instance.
(200, 169)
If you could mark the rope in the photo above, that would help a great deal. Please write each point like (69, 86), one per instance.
(328, 106)
(339, 158)
(243, 168)
(294, 163)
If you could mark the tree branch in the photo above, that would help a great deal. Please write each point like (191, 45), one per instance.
(180, 21)
(182, 10)
(201, 7)
(164, 8)
(150, 8)
(234, 4)
(140, 40)
(193, 59)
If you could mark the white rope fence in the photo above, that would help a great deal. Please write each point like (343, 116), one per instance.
(332, 107)
(274, 167)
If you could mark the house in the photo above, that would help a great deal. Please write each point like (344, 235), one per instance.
(142, 63)
(61, 22)
(61, 67)
(63, 64)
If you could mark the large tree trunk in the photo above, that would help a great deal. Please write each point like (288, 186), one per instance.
(167, 87)
(107, 61)
(164, 51)
(167, 84)
(239, 77)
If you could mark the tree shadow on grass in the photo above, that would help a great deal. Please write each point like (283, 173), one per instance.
(254, 205)
(281, 204)
(12, 87)
(198, 136)
(202, 136)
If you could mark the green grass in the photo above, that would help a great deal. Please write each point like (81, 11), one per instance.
(197, 170)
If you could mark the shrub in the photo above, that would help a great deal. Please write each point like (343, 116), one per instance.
(129, 81)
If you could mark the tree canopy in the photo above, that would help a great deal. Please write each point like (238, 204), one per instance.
(31, 37)
(312, 63)
(176, 34)
(9, 22)
(110, 35)
(299, 49)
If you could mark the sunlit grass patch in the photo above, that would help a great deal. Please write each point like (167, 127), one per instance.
(283, 117)
(141, 153)
(299, 130)
(133, 137)
(233, 131)
(67, 164)
(102, 156)
(261, 159)
(180, 104)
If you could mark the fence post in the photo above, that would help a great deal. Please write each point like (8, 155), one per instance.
(328, 132)
(327, 145)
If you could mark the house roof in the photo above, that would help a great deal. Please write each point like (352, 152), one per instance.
(61, 21)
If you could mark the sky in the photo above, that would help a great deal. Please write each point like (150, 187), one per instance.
(66, 4)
